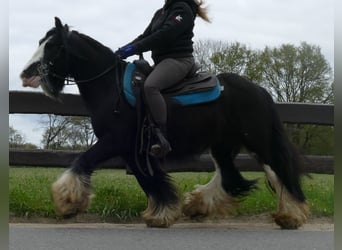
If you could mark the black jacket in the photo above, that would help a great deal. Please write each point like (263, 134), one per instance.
(169, 34)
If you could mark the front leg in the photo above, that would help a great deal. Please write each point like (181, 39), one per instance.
(72, 192)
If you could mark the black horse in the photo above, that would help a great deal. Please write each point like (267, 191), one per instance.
(243, 115)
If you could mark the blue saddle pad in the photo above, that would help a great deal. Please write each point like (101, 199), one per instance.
(183, 99)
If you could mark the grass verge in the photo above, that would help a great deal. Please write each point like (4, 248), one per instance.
(118, 197)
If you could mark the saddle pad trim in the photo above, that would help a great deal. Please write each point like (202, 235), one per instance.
(128, 90)
(199, 97)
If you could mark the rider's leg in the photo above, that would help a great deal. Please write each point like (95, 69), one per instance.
(165, 74)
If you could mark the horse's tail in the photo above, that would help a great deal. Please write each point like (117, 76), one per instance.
(286, 161)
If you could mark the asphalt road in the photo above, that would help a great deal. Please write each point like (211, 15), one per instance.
(196, 236)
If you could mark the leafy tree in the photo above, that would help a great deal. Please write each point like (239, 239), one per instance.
(297, 74)
(219, 57)
(237, 58)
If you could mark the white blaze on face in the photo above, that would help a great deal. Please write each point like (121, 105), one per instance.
(38, 55)
(34, 80)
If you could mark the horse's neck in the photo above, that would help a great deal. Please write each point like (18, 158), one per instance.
(86, 70)
(104, 89)
(89, 61)
(87, 57)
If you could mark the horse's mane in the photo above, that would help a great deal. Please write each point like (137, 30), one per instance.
(90, 43)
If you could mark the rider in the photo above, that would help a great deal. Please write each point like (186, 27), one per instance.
(169, 37)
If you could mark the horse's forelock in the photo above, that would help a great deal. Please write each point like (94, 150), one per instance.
(61, 35)
(48, 34)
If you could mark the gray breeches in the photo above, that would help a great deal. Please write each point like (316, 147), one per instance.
(165, 74)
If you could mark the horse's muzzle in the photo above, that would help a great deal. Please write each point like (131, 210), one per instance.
(32, 82)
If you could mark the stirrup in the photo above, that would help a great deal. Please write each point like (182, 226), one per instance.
(162, 147)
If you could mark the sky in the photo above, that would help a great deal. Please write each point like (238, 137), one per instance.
(255, 23)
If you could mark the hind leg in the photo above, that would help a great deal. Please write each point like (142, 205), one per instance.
(283, 174)
(218, 197)
(292, 213)
(208, 200)
(267, 139)
(292, 210)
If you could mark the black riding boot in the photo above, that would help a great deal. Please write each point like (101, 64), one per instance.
(161, 147)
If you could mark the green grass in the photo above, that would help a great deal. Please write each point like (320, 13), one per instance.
(118, 197)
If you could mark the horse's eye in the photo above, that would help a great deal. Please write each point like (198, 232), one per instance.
(49, 45)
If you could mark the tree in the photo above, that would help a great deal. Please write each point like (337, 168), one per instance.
(203, 52)
(81, 134)
(297, 74)
(17, 140)
(300, 74)
(219, 57)
(53, 136)
(67, 132)
(237, 58)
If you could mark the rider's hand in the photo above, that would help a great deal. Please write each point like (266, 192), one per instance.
(125, 51)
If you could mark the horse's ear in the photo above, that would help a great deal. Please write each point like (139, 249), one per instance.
(66, 27)
(58, 23)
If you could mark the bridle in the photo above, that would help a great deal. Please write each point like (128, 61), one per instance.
(44, 69)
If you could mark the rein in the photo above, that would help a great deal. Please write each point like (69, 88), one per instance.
(68, 79)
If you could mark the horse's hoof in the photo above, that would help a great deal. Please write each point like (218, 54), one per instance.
(194, 206)
(286, 221)
(158, 222)
(292, 219)
(162, 216)
(71, 194)
(205, 201)
(292, 215)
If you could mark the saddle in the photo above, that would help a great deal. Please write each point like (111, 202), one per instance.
(196, 88)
